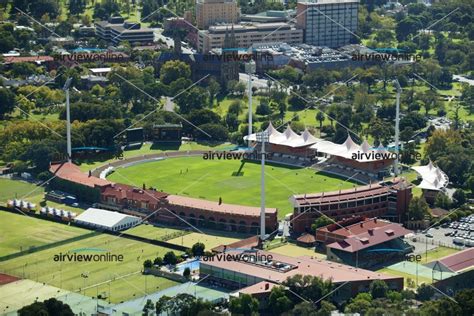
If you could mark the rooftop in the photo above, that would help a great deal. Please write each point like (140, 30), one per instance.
(459, 261)
(362, 237)
(123, 191)
(216, 207)
(71, 172)
(304, 265)
(103, 217)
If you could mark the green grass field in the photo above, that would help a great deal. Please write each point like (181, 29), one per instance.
(42, 267)
(211, 179)
(157, 233)
(19, 232)
(130, 287)
(11, 189)
(208, 240)
(297, 251)
(438, 253)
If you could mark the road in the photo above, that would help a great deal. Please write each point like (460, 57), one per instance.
(464, 79)
(256, 82)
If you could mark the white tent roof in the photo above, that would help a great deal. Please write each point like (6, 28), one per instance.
(433, 177)
(349, 148)
(287, 138)
(104, 218)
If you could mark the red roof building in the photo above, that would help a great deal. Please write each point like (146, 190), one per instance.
(70, 172)
(276, 268)
(457, 262)
(363, 242)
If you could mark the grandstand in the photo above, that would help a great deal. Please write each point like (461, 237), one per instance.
(387, 199)
(362, 163)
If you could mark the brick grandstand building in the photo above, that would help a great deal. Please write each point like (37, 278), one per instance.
(180, 210)
(387, 199)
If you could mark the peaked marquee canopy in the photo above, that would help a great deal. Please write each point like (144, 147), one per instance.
(433, 177)
(366, 153)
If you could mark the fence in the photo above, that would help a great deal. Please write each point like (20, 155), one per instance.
(431, 241)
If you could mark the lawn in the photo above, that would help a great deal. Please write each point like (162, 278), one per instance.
(77, 275)
(297, 251)
(214, 179)
(19, 232)
(209, 241)
(130, 287)
(157, 233)
(11, 189)
(18, 189)
(438, 253)
(406, 276)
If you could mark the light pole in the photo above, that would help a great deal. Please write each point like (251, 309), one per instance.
(250, 69)
(262, 137)
(68, 119)
(397, 126)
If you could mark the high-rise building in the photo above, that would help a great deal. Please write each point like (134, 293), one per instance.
(210, 12)
(247, 34)
(330, 23)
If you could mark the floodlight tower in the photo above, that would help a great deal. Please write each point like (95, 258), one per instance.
(397, 126)
(262, 137)
(68, 119)
(250, 69)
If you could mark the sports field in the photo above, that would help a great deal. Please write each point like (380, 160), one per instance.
(211, 179)
(297, 251)
(208, 240)
(19, 232)
(157, 233)
(15, 295)
(19, 189)
(75, 275)
(11, 189)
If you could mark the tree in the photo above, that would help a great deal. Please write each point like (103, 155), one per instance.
(158, 261)
(147, 264)
(39, 8)
(441, 307)
(173, 70)
(148, 307)
(170, 258)
(7, 102)
(424, 292)
(217, 132)
(245, 305)
(214, 89)
(310, 287)
(320, 117)
(378, 289)
(470, 183)
(187, 272)
(320, 222)
(77, 6)
(417, 209)
(278, 301)
(465, 299)
(443, 201)
(49, 307)
(198, 249)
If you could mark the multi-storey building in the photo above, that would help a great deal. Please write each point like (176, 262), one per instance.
(389, 199)
(247, 34)
(209, 12)
(330, 23)
(116, 30)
